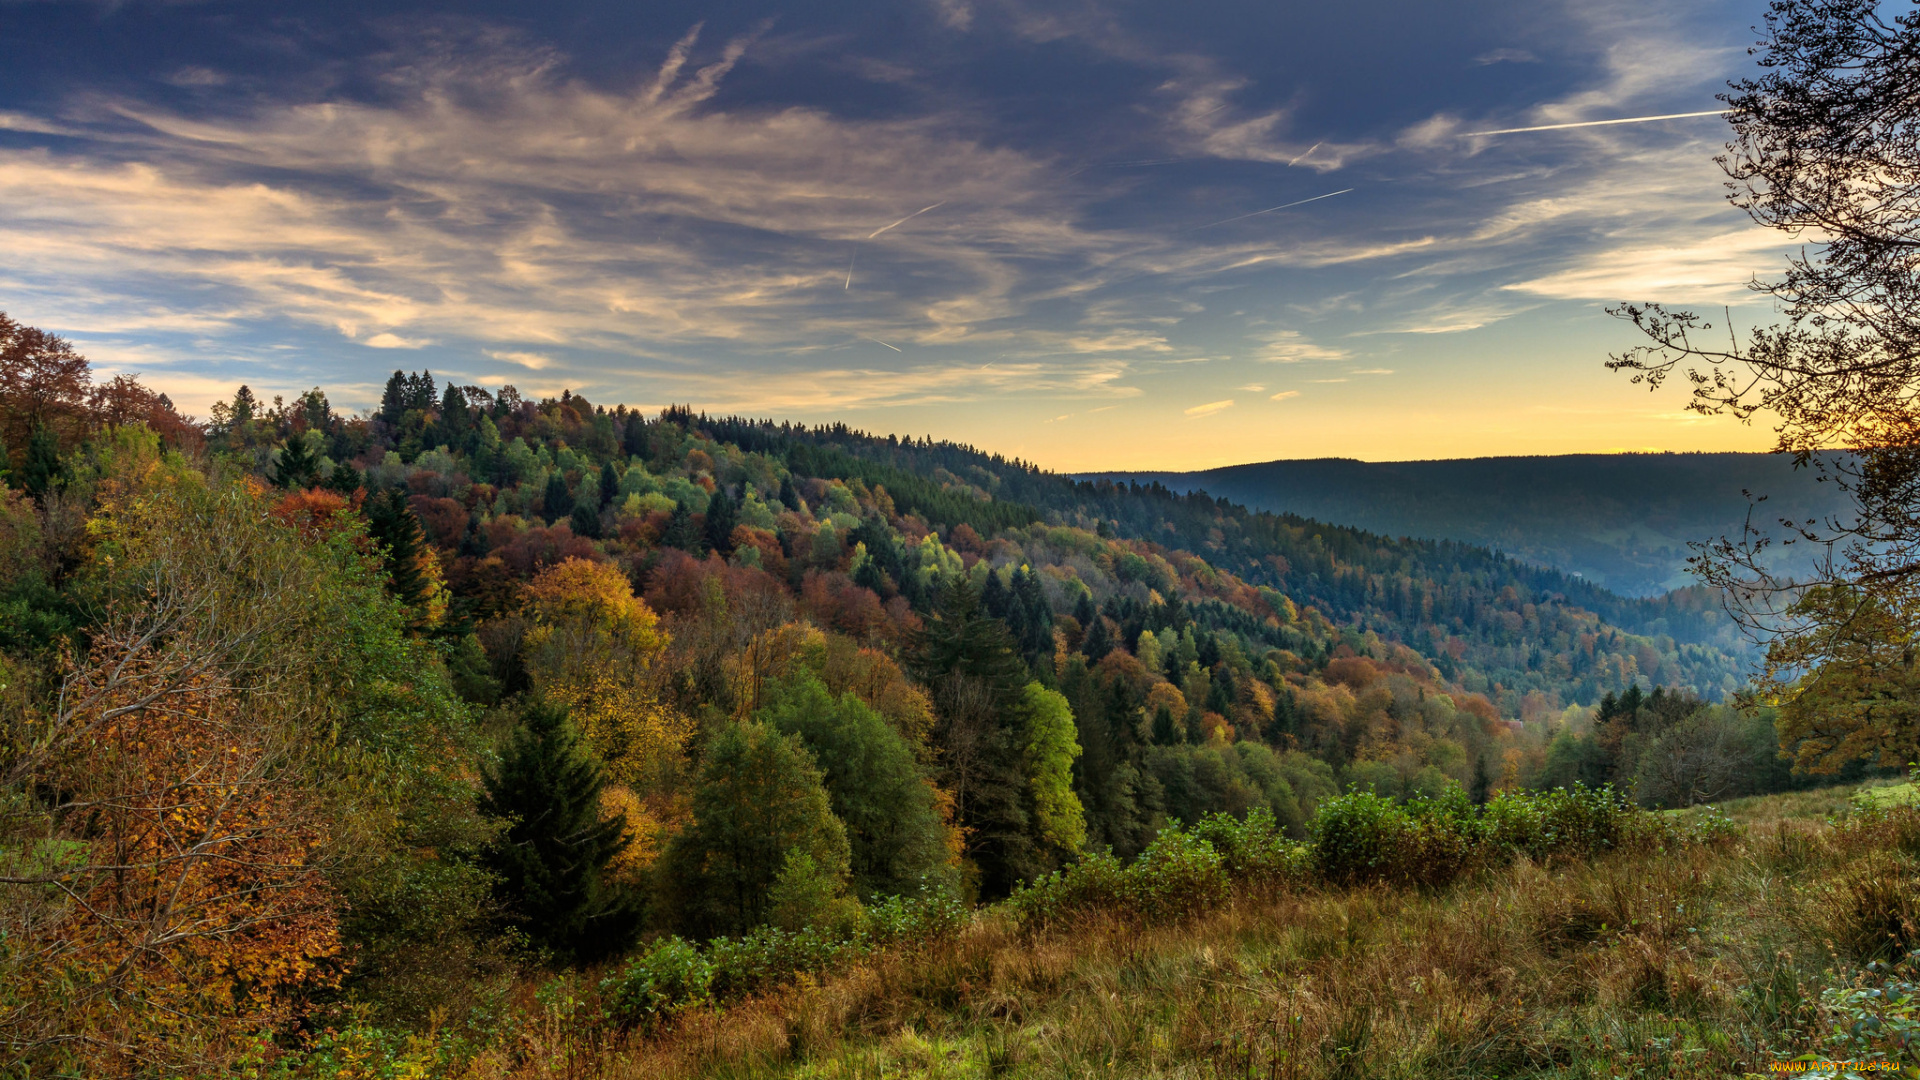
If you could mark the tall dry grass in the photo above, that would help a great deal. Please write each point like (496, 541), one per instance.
(1700, 962)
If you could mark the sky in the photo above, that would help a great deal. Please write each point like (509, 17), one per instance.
(1091, 234)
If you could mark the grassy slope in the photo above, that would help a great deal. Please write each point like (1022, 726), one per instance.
(1693, 963)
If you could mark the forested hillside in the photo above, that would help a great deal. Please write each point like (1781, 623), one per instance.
(1622, 521)
(315, 719)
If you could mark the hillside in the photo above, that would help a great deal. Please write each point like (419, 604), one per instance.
(476, 693)
(1622, 521)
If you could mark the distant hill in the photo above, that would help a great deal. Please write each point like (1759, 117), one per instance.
(1619, 520)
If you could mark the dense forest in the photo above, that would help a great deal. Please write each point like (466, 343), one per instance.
(314, 719)
(1623, 521)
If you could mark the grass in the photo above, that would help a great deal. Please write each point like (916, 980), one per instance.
(1808, 805)
(1698, 962)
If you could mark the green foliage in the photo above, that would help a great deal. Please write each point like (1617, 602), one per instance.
(1049, 755)
(760, 797)
(876, 784)
(551, 860)
(807, 894)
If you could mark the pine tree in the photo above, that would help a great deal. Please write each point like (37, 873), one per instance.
(42, 471)
(393, 400)
(721, 519)
(297, 466)
(586, 522)
(551, 861)
(789, 495)
(1098, 642)
(681, 532)
(455, 423)
(391, 522)
(557, 502)
(609, 485)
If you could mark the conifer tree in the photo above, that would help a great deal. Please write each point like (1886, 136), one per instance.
(1098, 642)
(393, 400)
(557, 501)
(42, 470)
(550, 864)
(681, 532)
(297, 466)
(586, 521)
(392, 522)
(721, 518)
(609, 485)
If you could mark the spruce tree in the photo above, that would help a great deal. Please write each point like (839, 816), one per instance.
(393, 400)
(391, 522)
(609, 484)
(586, 522)
(721, 519)
(557, 501)
(550, 863)
(1098, 642)
(681, 532)
(42, 471)
(297, 466)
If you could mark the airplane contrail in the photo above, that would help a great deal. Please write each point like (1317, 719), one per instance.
(906, 219)
(1599, 123)
(877, 341)
(1306, 155)
(1271, 209)
(849, 285)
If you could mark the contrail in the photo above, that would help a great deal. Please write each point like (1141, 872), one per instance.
(850, 271)
(1599, 123)
(877, 341)
(1271, 209)
(906, 219)
(1304, 156)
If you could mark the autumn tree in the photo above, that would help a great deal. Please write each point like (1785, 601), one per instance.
(44, 388)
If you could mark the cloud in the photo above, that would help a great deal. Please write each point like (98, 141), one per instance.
(1284, 395)
(1506, 56)
(1711, 269)
(394, 341)
(532, 361)
(1292, 347)
(1208, 409)
(1371, 371)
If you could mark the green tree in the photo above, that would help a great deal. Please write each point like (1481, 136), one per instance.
(297, 466)
(682, 533)
(978, 683)
(609, 485)
(721, 518)
(43, 469)
(557, 501)
(551, 861)
(1051, 749)
(876, 786)
(760, 797)
(392, 522)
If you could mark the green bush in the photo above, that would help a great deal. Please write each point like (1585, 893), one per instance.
(660, 983)
(1578, 821)
(1177, 877)
(1257, 852)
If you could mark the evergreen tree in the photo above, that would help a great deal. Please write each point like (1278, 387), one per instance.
(297, 466)
(344, 479)
(456, 425)
(978, 682)
(721, 518)
(393, 400)
(1165, 731)
(789, 495)
(391, 522)
(609, 485)
(557, 501)
(421, 393)
(1098, 641)
(43, 470)
(760, 797)
(551, 861)
(682, 533)
(586, 522)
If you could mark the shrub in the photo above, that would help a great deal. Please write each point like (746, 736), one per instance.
(1579, 821)
(1257, 851)
(1178, 876)
(660, 983)
(1360, 837)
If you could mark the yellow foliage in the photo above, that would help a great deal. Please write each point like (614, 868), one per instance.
(592, 649)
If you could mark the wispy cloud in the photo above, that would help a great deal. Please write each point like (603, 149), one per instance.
(1284, 395)
(1208, 409)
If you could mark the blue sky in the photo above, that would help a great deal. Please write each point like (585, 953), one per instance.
(1060, 231)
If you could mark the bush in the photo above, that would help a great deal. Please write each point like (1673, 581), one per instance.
(1257, 851)
(1579, 821)
(1177, 877)
(662, 982)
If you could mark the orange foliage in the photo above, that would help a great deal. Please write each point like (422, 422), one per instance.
(182, 906)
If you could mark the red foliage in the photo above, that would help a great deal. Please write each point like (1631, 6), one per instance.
(444, 519)
(314, 512)
(835, 602)
(541, 546)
